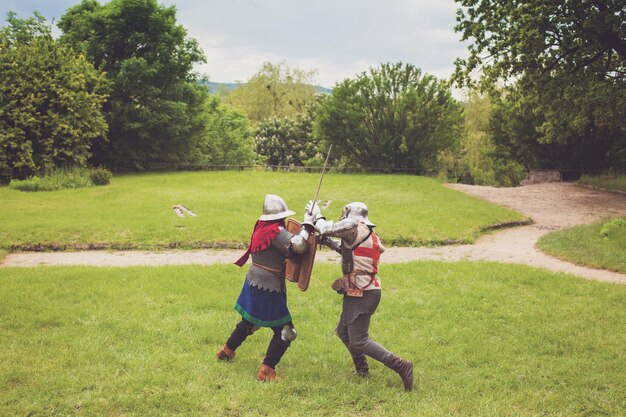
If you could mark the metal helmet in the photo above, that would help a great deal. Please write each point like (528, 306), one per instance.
(357, 211)
(275, 208)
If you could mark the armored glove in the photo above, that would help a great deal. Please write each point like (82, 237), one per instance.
(327, 241)
(315, 213)
(340, 285)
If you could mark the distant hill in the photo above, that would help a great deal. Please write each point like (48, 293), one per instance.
(214, 87)
(324, 89)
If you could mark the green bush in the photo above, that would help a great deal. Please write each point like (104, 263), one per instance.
(56, 180)
(100, 176)
(51, 101)
(610, 226)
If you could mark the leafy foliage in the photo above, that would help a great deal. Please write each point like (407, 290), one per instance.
(568, 59)
(285, 141)
(517, 124)
(477, 144)
(155, 110)
(390, 117)
(227, 138)
(50, 101)
(100, 176)
(542, 37)
(479, 160)
(274, 91)
(611, 226)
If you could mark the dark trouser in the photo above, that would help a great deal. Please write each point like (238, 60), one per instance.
(355, 336)
(276, 348)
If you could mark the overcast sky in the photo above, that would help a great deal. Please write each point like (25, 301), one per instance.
(339, 38)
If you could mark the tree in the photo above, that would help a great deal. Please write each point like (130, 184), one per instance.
(390, 117)
(477, 144)
(285, 141)
(517, 129)
(227, 139)
(543, 37)
(568, 57)
(50, 101)
(155, 109)
(274, 91)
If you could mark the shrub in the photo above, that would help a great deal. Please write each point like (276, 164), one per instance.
(100, 176)
(51, 101)
(610, 226)
(56, 180)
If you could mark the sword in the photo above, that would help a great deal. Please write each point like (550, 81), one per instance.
(321, 178)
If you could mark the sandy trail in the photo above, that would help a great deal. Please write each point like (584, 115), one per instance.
(552, 206)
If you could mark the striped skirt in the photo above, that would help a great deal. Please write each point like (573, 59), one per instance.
(261, 307)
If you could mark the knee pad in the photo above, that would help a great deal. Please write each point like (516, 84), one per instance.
(288, 334)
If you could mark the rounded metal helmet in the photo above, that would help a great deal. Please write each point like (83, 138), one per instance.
(275, 208)
(357, 211)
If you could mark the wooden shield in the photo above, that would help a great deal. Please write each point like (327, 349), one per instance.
(299, 266)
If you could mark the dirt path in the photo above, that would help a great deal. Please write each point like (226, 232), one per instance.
(552, 206)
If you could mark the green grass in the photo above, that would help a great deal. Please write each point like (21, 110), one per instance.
(135, 211)
(609, 182)
(486, 340)
(590, 245)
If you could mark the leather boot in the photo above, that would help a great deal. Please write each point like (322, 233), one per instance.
(225, 354)
(404, 368)
(360, 365)
(266, 374)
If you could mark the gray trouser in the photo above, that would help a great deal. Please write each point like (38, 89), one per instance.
(356, 338)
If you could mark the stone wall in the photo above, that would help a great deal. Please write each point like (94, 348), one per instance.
(542, 175)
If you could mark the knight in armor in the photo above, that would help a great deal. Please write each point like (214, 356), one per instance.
(360, 249)
(263, 298)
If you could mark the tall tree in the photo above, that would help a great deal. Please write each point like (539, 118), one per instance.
(518, 131)
(276, 90)
(285, 141)
(390, 117)
(50, 101)
(155, 109)
(227, 139)
(477, 144)
(568, 57)
(539, 37)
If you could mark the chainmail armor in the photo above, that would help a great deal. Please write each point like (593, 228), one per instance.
(274, 258)
(346, 260)
(353, 307)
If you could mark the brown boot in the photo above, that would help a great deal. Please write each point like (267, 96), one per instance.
(266, 374)
(225, 354)
(404, 368)
(360, 365)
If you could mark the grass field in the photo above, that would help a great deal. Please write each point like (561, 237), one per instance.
(586, 245)
(135, 211)
(486, 340)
